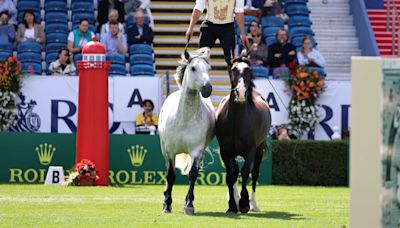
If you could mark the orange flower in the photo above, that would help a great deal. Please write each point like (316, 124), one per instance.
(301, 84)
(303, 74)
(320, 83)
(311, 84)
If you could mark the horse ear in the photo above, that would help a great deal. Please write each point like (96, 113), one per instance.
(186, 55)
(205, 52)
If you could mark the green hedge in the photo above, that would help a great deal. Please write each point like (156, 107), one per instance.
(310, 163)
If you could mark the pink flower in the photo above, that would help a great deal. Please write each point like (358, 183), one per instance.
(31, 70)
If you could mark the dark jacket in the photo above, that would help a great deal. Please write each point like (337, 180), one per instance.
(146, 38)
(103, 9)
(284, 50)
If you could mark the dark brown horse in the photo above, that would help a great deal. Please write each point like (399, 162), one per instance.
(243, 123)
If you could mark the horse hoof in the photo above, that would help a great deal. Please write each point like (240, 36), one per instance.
(254, 208)
(188, 210)
(245, 209)
(231, 211)
(167, 209)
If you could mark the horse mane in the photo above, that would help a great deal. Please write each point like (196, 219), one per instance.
(251, 85)
(184, 62)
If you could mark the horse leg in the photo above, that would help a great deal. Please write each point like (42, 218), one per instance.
(168, 188)
(255, 172)
(244, 195)
(194, 172)
(232, 172)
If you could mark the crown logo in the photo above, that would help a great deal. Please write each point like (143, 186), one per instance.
(137, 154)
(45, 153)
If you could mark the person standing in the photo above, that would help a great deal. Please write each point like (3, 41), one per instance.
(219, 24)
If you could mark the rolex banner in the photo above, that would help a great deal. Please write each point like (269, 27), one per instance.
(134, 159)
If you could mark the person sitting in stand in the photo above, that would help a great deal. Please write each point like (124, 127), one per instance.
(64, 65)
(281, 53)
(29, 30)
(140, 33)
(309, 56)
(258, 51)
(147, 119)
(79, 36)
(114, 41)
(112, 16)
(7, 31)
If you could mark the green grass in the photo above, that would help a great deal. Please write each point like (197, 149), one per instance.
(140, 206)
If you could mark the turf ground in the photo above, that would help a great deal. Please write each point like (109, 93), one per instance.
(140, 206)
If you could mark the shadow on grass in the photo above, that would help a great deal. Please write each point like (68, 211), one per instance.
(270, 214)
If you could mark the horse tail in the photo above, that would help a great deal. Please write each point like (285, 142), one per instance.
(184, 163)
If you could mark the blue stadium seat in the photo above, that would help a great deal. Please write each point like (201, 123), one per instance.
(29, 46)
(116, 58)
(301, 31)
(21, 16)
(82, 7)
(30, 57)
(56, 38)
(299, 21)
(73, 1)
(289, 2)
(56, 17)
(31, 5)
(54, 47)
(248, 19)
(142, 70)
(297, 9)
(270, 31)
(49, 59)
(56, 28)
(270, 40)
(140, 49)
(272, 21)
(141, 59)
(76, 17)
(4, 55)
(35, 68)
(260, 71)
(77, 57)
(117, 70)
(6, 48)
(56, 6)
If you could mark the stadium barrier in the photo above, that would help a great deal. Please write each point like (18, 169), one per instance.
(134, 159)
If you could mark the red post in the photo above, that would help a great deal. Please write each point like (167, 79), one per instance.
(92, 140)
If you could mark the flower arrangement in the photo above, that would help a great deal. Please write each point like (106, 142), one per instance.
(84, 174)
(306, 87)
(10, 84)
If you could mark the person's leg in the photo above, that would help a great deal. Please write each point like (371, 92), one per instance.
(207, 35)
(227, 40)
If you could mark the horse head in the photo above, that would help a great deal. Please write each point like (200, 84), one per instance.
(192, 74)
(241, 77)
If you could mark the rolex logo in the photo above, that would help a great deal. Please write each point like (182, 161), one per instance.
(137, 154)
(45, 153)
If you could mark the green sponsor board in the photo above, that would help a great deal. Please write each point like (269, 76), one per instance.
(134, 159)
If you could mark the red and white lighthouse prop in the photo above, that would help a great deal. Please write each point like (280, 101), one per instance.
(92, 141)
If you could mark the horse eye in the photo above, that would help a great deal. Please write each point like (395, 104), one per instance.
(193, 69)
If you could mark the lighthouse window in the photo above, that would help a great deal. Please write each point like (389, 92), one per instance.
(98, 58)
(91, 58)
(85, 58)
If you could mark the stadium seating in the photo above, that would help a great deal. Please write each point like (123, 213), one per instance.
(56, 38)
(270, 40)
(272, 21)
(141, 59)
(140, 49)
(32, 68)
(29, 46)
(56, 28)
(116, 59)
(82, 7)
(270, 31)
(49, 59)
(56, 17)
(299, 21)
(55, 6)
(6, 48)
(117, 70)
(301, 31)
(31, 57)
(260, 71)
(4, 55)
(54, 47)
(142, 70)
(297, 9)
